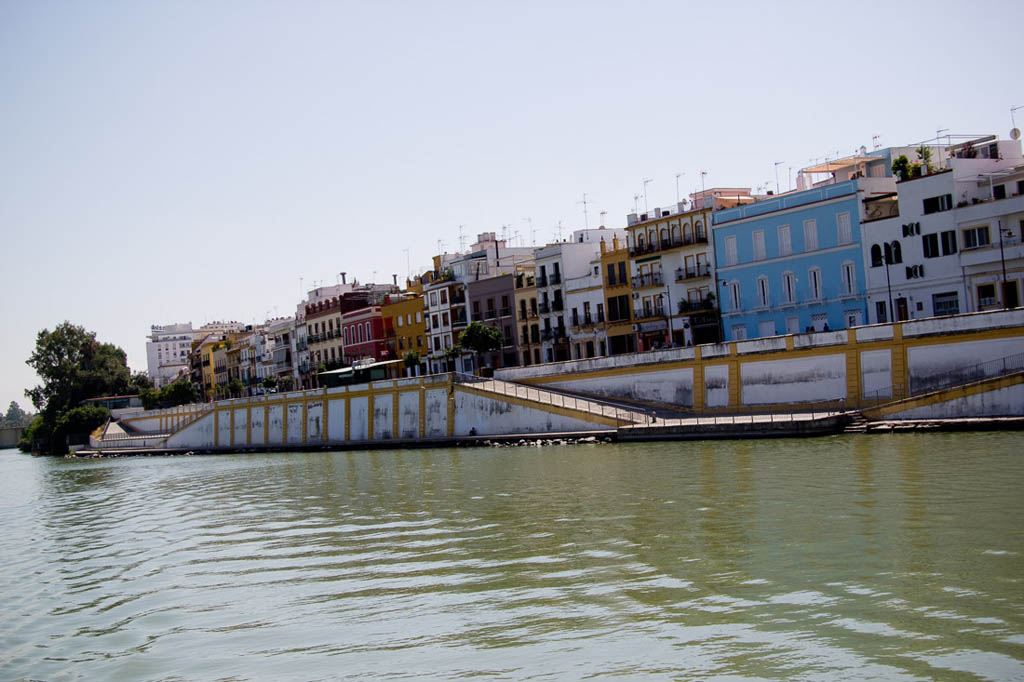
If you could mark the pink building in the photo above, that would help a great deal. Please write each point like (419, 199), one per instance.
(364, 335)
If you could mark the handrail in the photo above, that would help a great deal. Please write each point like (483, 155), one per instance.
(621, 417)
(1008, 364)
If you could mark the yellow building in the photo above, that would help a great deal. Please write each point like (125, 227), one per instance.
(527, 319)
(671, 278)
(618, 295)
(404, 326)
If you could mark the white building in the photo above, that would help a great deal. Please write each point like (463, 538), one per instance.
(282, 332)
(584, 304)
(555, 265)
(445, 301)
(167, 352)
(950, 236)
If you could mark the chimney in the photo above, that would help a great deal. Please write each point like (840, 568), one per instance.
(343, 277)
(604, 247)
(395, 278)
(615, 243)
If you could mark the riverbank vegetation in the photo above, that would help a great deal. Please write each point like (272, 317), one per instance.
(74, 367)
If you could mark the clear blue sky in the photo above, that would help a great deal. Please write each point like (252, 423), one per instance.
(190, 161)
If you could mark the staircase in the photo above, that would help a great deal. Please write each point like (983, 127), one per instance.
(857, 424)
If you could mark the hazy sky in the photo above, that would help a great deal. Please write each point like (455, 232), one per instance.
(190, 161)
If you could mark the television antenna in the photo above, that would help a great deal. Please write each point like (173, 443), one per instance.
(645, 183)
(533, 232)
(678, 175)
(462, 239)
(586, 217)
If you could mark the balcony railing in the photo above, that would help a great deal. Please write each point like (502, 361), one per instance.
(701, 270)
(545, 308)
(700, 238)
(557, 304)
(491, 314)
(458, 320)
(695, 306)
(505, 312)
(556, 278)
(649, 279)
(648, 313)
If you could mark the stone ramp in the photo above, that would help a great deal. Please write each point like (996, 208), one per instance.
(603, 412)
(997, 396)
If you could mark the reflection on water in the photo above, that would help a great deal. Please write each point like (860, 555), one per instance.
(894, 557)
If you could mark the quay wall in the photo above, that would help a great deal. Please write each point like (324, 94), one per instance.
(383, 411)
(857, 368)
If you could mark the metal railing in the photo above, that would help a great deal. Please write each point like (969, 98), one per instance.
(989, 369)
(621, 417)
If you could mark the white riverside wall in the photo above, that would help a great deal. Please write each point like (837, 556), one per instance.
(859, 366)
(433, 409)
(1003, 402)
(815, 378)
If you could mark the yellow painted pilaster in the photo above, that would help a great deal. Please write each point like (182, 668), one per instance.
(369, 413)
(348, 419)
(900, 386)
(852, 369)
(698, 379)
(734, 377)
(789, 342)
(305, 420)
(266, 422)
(324, 417)
(394, 414)
(284, 422)
(451, 408)
(423, 410)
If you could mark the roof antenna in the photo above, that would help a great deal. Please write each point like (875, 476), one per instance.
(586, 218)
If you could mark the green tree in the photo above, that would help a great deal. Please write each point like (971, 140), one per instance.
(924, 155)
(479, 338)
(139, 382)
(901, 167)
(181, 392)
(15, 416)
(235, 387)
(270, 383)
(73, 366)
(287, 383)
(411, 360)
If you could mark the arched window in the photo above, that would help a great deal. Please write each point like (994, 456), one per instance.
(687, 233)
(652, 237)
(699, 229)
(675, 233)
(664, 236)
(897, 252)
(640, 241)
(359, 328)
(876, 255)
(763, 298)
(346, 336)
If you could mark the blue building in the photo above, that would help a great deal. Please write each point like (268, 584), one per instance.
(793, 262)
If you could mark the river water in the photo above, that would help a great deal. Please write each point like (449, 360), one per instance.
(897, 557)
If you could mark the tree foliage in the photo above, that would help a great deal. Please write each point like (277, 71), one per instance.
(15, 416)
(74, 367)
(181, 392)
(480, 338)
(901, 167)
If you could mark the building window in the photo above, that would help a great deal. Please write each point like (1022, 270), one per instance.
(940, 203)
(930, 245)
(811, 235)
(731, 256)
(734, 295)
(398, 320)
(444, 319)
(739, 332)
(986, 295)
(444, 296)
(433, 298)
(762, 291)
(945, 304)
(785, 244)
(893, 253)
(880, 312)
(622, 272)
(876, 255)
(611, 274)
(849, 278)
(759, 251)
(948, 242)
(788, 288)
(814, 281)
(999, 191)
(845, 232)
(976, 237)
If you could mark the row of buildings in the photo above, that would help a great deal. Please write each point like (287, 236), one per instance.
(853, 244)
